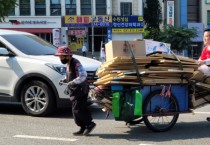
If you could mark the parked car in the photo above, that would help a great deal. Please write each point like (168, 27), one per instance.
(30, 73)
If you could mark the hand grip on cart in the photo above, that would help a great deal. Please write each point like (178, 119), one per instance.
(66, 91)
(61, 82)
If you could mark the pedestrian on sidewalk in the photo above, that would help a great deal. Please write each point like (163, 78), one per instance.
(103, 54)
(77, 88)
(84, 50)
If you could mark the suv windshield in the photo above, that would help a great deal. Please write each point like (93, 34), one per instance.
(31, 44)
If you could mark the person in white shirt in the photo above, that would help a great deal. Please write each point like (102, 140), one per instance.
(84, 50)
(103, 54)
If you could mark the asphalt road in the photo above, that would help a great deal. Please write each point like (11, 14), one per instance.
(17, 128)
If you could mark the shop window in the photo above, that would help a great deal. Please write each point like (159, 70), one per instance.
(71, 7)
(73, 39)
(40, 8)
(86, 7)
(25, 8)
(125, 8)
(100, 7)
(55, 7)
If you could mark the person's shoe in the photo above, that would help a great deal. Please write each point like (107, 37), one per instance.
(80, 132)
(208, 118)
(89, 129)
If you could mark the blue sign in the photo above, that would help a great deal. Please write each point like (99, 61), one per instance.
(127, 22)
(109, 34)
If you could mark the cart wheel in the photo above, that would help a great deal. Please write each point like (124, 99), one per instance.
(160, 112)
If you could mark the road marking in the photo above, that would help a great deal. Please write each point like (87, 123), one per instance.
(201, 112)
(45, 138)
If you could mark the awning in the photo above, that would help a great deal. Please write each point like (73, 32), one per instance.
(32, 30)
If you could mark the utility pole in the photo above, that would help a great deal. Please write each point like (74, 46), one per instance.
(93, 19)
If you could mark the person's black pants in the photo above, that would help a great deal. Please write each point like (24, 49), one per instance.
(80, 111)
(84, 53)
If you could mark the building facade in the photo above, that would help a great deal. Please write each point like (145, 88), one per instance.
(78, 22)
(191, 13)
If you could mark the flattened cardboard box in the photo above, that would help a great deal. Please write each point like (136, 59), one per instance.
(119, 48)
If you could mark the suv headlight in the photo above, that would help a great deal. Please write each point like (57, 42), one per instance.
(57, 67)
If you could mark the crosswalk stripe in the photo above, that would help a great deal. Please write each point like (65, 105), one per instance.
(45, 138)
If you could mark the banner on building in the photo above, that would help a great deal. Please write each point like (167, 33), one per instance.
(170, 13)
(56, 37)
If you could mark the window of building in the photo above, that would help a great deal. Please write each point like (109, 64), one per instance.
(125, 8)
(40, 8)
(86, 7)
(208, 17)
(71, 7)
(25, 8)
(55, 7)
(12, 12)
(100, 7)
(193, 10)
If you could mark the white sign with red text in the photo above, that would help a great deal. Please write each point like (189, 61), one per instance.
(170, 13)
(56, 37)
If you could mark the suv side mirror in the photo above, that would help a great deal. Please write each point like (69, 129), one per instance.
(5, 52)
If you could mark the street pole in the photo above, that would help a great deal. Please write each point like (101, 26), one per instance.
(92, 28)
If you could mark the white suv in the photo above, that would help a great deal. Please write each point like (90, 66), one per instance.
(30, 74)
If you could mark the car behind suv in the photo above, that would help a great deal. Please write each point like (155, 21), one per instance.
(30, 74)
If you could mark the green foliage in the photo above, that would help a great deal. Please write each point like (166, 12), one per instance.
(152, 14)
(178, 37)
(5, 8)
(152, 17)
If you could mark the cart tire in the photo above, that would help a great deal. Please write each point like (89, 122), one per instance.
(160, 112)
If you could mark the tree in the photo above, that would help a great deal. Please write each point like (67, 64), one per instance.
(152, 18)
(178, 37)
(5, 8)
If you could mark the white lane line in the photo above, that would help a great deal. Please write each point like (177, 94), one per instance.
(201, 112)
(45, 138)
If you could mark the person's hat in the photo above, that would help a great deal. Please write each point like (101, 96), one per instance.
(63, 50)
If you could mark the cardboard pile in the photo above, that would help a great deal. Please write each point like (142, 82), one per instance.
(154, 69)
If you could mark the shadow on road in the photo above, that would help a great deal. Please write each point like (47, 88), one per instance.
(11, 109)
(181, 131)
(65, 112)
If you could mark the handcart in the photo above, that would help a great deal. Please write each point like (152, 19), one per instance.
(158, 105)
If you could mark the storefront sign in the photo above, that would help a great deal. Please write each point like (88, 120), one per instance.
(127, 22)
(77, 33)
(170, 13)
(127, 30)
(86, 21)
(18, 22)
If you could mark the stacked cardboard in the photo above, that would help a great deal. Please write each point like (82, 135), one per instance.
(154, 69)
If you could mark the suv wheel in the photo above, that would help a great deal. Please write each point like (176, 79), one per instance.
(37, 98)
